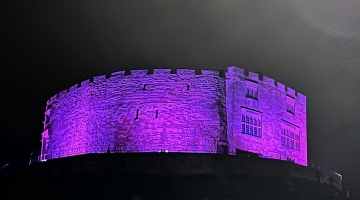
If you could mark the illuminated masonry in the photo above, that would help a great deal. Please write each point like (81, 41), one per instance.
(177, 111)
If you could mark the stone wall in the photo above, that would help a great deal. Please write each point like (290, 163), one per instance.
(138, 111)
(177, 111)
(270, 106)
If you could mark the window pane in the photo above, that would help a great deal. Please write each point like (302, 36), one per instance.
(247, 119)
(247, 128)
(255, 131)
(251, 130)
(242, 118)
(251, 120)
(243, 128)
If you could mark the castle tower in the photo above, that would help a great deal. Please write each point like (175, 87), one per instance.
(138, 111)
(177, 111)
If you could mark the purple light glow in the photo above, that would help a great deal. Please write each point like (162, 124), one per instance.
(182, 112)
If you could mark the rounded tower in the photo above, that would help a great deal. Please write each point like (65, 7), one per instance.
(138, 111)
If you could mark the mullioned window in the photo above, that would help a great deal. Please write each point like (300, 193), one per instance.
(251, 124)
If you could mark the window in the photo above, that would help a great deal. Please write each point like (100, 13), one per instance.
(290, 138)
(252, 93)
(290, 104)
(137, 114)
(289, 159)
(251, 124)
(252, 89)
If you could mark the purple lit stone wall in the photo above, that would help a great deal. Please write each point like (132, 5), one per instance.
(271, 107)
(144, 111)
(139, 112)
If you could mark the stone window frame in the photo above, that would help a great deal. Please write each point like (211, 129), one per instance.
(290, 159)
(248, 126)
(252, 89)
(290, 104)
(290, 136)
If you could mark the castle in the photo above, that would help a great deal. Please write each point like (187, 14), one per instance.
(179, 110)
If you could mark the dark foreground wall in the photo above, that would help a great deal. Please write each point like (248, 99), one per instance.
(169, 176)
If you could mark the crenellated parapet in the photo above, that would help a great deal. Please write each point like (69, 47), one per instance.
(130, 74)
(236, 72)
(265, 116)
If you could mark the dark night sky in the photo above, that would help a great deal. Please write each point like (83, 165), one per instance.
(49, 46)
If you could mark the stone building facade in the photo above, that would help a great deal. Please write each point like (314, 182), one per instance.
(177, 111)
(265, 117)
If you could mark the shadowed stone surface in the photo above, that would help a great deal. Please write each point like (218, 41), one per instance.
(169, 176)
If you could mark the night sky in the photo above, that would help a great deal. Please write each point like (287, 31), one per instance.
(49, 46)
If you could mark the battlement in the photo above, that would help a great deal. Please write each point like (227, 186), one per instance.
(137, 73)
(232, 72)
(237, 72)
